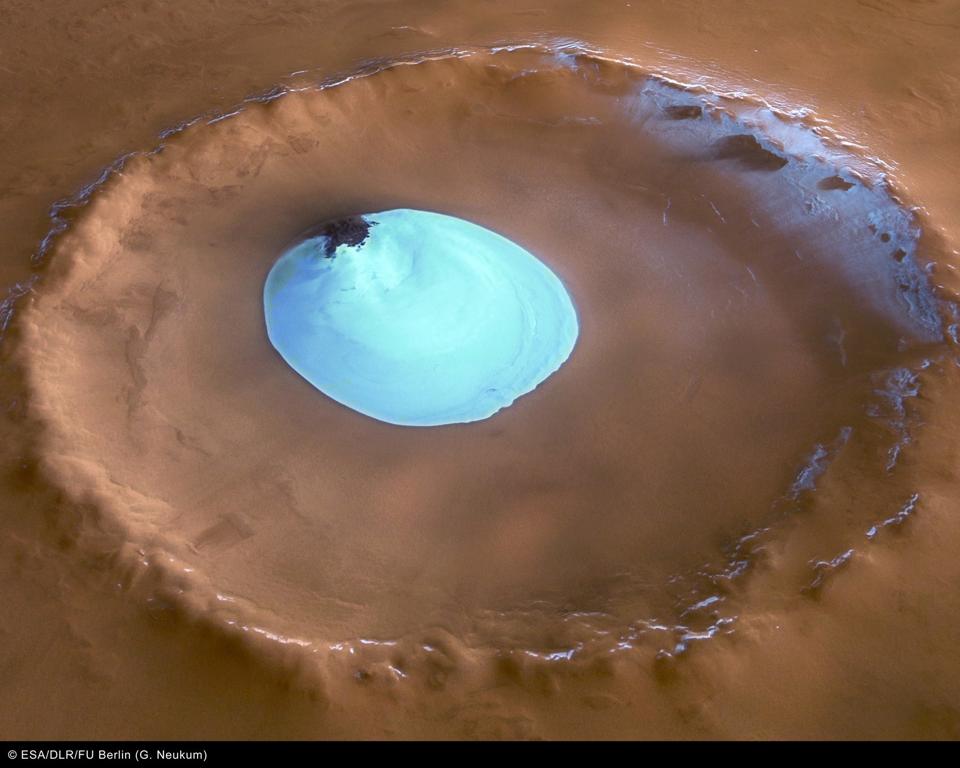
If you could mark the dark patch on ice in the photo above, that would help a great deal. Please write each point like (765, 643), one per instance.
(749, 152)
(683, 111)
(352, 231)
(834, 182)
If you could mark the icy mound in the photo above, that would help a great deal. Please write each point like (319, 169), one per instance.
(417, 318)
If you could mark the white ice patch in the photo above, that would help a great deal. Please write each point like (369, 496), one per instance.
(431, 320)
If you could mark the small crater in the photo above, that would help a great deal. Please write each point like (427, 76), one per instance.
(747, 151)
(834, 182)
(683, 111)
(899, 254)
(885, 237)
(362, 676)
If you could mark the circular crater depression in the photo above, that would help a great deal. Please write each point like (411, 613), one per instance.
(417, 318)
(738, 284)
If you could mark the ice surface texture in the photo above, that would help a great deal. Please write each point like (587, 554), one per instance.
(428, 320)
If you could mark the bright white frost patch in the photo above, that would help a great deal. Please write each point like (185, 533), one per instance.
(432, 320)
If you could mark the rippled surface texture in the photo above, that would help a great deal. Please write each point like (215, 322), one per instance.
(419, 319)
(725, 514)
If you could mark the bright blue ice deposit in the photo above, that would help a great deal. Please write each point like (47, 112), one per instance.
(430, 320)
